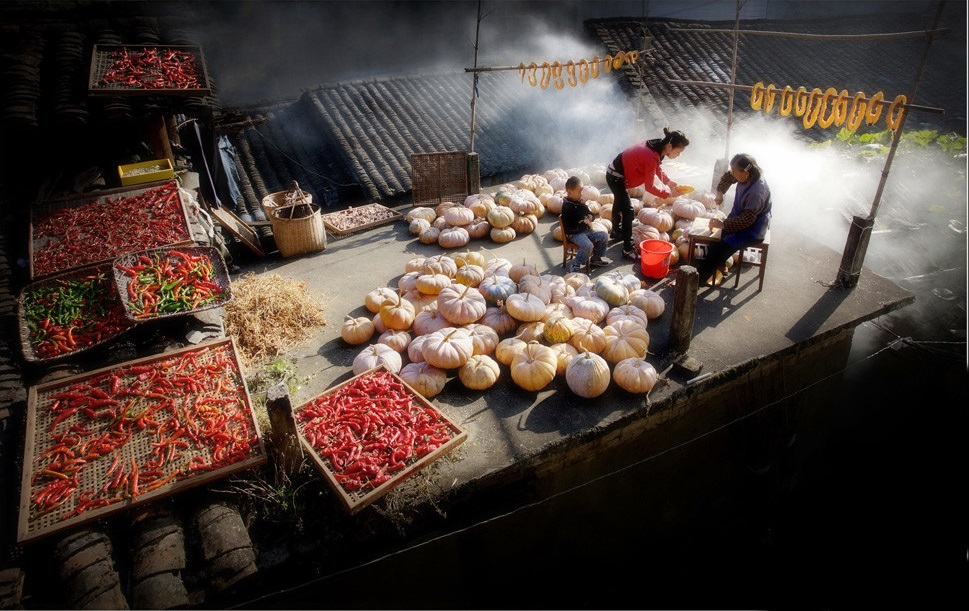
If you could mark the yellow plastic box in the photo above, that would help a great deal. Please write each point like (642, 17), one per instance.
(145, 171)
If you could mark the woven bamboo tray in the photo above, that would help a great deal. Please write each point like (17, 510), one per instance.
(88, 244)
(355, 500)
(30, 340)
(347, 221)
(184, 429)
(122, 281)
(102, 60)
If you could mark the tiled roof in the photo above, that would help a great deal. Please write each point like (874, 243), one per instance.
(375, 126)
(856, 65)
(45, 63)
(364, 132)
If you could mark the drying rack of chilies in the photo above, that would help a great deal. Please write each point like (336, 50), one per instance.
(830, 106)
(104, 441)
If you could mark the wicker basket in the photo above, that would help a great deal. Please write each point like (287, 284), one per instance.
(293, 195)
(297, 232)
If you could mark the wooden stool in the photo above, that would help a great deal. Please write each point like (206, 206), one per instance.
(569, 249)
(754, 255)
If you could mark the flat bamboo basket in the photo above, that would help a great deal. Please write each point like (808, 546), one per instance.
(355, 500)
(88, 248)
(345, 222)
(122, 281)
(206, 389)
(30, 340)
(102, 60)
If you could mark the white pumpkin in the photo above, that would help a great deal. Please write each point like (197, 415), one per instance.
(587, 375)
(648, 301)
(423, 377)
(376, 355)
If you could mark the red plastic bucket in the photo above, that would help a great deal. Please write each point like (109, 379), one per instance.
(654, 257)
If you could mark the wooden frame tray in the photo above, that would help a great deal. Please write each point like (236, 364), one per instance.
(337, 222)
(102, 60)
(220, 277)
(92, 215)
(355, 500)
(141, 444)
(107, 297)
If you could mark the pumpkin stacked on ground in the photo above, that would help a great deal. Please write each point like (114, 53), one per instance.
(513, 210)
(470, 315)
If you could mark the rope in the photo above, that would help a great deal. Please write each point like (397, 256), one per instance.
(305, 169)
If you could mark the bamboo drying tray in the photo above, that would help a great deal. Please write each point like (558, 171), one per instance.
(355, 500)
(107, 299)
(102, 60)
(122, 281)
(348, 221)
(94, 236)
(206, 398)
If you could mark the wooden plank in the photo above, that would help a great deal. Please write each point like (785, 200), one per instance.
(238, 228)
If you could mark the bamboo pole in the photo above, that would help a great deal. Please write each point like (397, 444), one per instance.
(887, 36)
(474, 79)
(733, 81)
(854, 253)
(751, 87)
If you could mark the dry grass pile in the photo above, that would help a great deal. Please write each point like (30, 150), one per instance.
(270, 314)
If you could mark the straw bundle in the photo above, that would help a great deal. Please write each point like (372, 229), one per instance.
(269, 315)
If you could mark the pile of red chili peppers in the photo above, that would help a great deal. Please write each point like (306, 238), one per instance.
(72, 236)
(135, 428)
(72, 312)
(370, 429)
(153, 68)
(172, 282)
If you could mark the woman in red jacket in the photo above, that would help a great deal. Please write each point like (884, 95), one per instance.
(640, 165)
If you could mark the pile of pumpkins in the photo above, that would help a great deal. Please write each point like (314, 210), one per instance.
(475, 315)
(515, 209)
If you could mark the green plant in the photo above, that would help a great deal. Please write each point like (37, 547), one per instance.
(952, 143)
(921, 138)
(875, 144)
(279, 370)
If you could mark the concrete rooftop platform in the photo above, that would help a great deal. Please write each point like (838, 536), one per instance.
(511, 430)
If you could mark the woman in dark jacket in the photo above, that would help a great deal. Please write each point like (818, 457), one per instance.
(749, 218)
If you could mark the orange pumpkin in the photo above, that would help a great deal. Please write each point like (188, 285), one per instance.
(480, 372)
(534, 367)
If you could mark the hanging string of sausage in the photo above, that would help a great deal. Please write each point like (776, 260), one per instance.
(828, 107)
(575, 71)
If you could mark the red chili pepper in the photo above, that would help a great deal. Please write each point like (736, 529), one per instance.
(61, 417)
